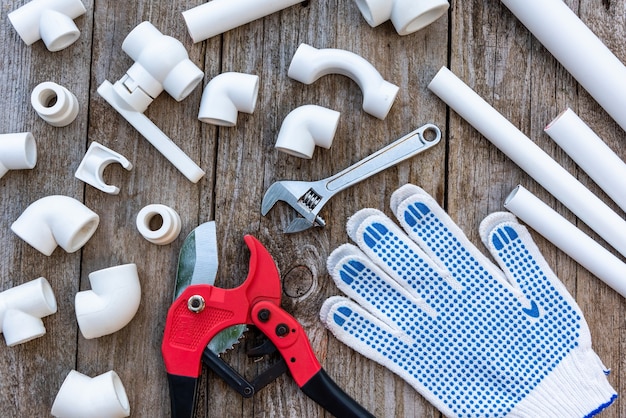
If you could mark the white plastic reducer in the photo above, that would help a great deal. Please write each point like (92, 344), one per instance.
(161, 63)
(52, 21)
(54, 103)
(81, 396)
(21, 310)
(304, 128)
(407, 16)
(226, 95)
(56, 221)
(111, 303)
(17, 152)
(309, 64)
(91, 168)
(167, 231)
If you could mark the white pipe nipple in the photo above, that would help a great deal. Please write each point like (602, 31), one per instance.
(17, 152)
(54, 103)
(304, 128)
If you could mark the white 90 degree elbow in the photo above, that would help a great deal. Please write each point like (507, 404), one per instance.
(21, 310)
(309, 64)
(111, 303)
(17, 152)
(56, 221)
(304, 128)
(407, 16)
(81, 396)
(226, 95)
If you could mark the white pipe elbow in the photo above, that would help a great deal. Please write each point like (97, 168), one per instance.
(226, 95)
(304, 128)
(309, 64)
(81, 396)
(21, 310)
(111, 303)
(407, 16)
(17, 152)
(52, 21)
(54, 103)
(56, 221)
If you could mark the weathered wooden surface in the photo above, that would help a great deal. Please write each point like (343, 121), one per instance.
(479, 40)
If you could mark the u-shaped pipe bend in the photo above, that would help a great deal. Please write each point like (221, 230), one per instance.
(309, 64)
(226, 95)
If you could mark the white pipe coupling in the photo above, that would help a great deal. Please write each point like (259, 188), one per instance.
(304, 128)
(52, 21)
(54, 103)
(309, 64)
(17, 152)
(111, 303)
(407, 16)
(226, 95)
(81, 396)
(168, 224)
(21, 310)
(56, 221)
(91, 168)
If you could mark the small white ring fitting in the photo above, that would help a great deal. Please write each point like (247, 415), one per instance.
(170, 226)
(91, 168)
(407, 16)
(54, 103)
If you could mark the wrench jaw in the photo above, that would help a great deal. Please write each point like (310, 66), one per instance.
(301, 197)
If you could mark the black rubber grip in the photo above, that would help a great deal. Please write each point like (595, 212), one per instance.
(182, 395)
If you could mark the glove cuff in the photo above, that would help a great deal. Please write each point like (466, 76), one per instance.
(577, 387)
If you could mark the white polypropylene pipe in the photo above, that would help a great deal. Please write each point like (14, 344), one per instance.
(226, 95)
(17, 151)
(304, 128)
(571, 240)
(81, 396)
(54, 103)
(407, 16)
(591, 154)
(530, 158)
(219, 16)
(578, 49)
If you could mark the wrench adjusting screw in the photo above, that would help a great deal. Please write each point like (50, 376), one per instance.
(196, 304)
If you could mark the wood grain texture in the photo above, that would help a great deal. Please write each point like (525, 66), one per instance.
(480, 40)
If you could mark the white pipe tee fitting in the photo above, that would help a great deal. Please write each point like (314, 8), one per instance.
(111, 303)
(52, 21)
(407, 16)
(54, 103)
(17, 151)
(81, 396)
(56, 220)
(309, 64)
(226, 95)
(91, 168)
(21, 310)
(169, 229)
(304, 128)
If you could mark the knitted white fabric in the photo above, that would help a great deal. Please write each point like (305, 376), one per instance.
(474, 339)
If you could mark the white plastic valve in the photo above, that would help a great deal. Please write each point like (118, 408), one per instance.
(17, 152)
(52, 21)
(21, 310)
(170, 224)
(91, 168)
(407, 16)
(304, 128)
(54, 103)
(226, 95)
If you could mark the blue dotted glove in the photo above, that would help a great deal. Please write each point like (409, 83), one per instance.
(473, 339)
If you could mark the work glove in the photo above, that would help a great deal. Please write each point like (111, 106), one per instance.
(474, 339)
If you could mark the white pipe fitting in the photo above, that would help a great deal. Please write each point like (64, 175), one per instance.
(219, 16)
(111, 303)
(17, 152)
(21, 310)
(52, 21)
(167, 231)
(91, 168)
(304, 128)
(309, 64)
(81, 396)
(54, 103)
(56, 221)
(407, 16)
(226, 95)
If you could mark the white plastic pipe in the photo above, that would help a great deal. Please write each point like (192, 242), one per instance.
(96, 160)
(17, 152)
(54, 103)
(226, 95)
(111, 303)
(407, 16)
(52, 21)
(309, 64)
(56, 221)
(530, 158)
(591, 154)
(81, 396)
(169, 228)
(304, 128)
(567, 237)
(578, 49)
(21, 310)
(219, 16)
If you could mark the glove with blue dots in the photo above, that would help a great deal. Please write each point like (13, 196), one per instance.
(474, 339)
